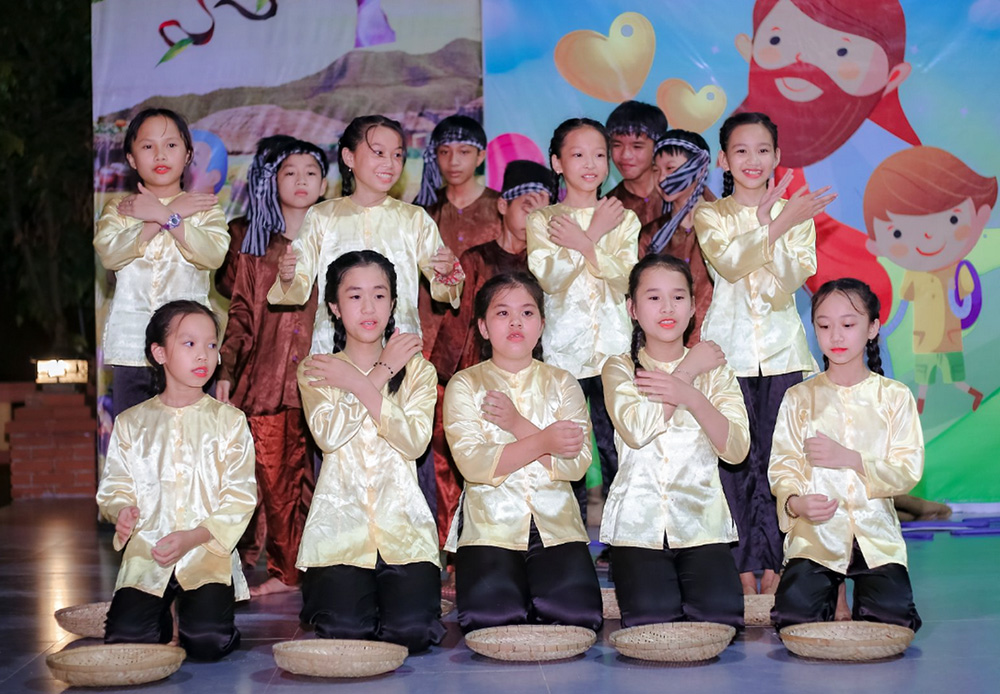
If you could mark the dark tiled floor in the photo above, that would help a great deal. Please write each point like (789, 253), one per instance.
(52, 555)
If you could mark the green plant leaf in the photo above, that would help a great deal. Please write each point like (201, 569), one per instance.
(175, 49)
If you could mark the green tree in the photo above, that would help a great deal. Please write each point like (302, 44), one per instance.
(46, 171)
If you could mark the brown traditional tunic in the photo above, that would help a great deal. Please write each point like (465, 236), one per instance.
(646, 209)
(460, 229)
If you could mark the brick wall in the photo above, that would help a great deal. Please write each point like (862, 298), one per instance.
(53, 446)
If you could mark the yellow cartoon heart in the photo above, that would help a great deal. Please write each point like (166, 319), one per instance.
(689, 111)
(613, 67)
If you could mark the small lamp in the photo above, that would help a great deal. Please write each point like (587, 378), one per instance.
(61, 371)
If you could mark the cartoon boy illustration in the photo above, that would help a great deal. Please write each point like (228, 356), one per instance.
(925, 210)
(207, 171)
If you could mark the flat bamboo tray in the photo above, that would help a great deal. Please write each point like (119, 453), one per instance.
(115, 665)
(530, 642)
(676, 642)
(851, 641)
(338, 657)
(84, 620)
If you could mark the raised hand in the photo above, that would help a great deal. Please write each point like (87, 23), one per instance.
(222, 391)
(702, 358)
(399, 348)
(608, 214)
(662, 387)
(803, 205)
(286, 266)
(498, 409)
(144, 205)
(327, 370)
(773, 194)
(816, 508)
(565, 232)
(536, 201)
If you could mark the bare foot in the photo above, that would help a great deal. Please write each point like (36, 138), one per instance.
(769, 582)
(749, 582)
(271, 586)
(842, 613)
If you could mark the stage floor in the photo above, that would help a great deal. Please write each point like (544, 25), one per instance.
(53, 555)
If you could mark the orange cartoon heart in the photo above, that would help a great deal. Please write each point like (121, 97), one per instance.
(613, 67)
(689, 111)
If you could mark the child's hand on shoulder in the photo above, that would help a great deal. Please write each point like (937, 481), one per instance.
(822, 451)
(328, 370)
(399, 349)
(663, 388)
(172, 547)
(564, 439)
(565, 232)
(498, 409)
(127, 518)
(815, 508)
(703, 357)
(188, 204)
(608, 214)
(144, 205)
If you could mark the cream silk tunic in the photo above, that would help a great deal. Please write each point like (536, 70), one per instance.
(497, 510)
(367, 501)
(150, 274)
(752, 316)
(184, 468)
(403, 233)
(878, 419)
(585, 316)
(668, 471)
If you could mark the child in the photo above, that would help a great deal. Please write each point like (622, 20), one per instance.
(925, 211)
(682, 159)
(161, 243)
(517, 429)
(256, 185)
(371, 160)
(634, 129)
(845, 442)
(179, 485)
(584, 273)
(527, 186)
(262, 348)
(676, 412)
(464, 210)
(760, 249)
(369, 549)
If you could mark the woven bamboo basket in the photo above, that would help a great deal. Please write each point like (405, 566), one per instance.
(757, 610)
(677, 642)
(846, 640)
(531, 642)
(447, 606)
(610, 604)
(84, 620)
(338, 657)
(115, 665)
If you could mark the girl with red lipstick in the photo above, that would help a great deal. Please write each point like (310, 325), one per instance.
(161, 243)
(676, 412)
(581, 251)
(519, 432)
(370, 546)
(845, 442)
(760, 249)
(179, 485)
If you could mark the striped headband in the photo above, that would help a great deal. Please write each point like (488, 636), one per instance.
(692, 172)
(525, 188)
(431, 179)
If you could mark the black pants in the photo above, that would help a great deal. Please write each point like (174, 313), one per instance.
(808, 593)
(130, 385)
(543, 585)
(398, 603)
(204, 619)
(746, 486)
(604, 430)
(695, 584)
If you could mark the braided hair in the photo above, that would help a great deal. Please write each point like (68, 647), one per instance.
(335, 275)
(725, 132)
(856, 292)
(667, 262)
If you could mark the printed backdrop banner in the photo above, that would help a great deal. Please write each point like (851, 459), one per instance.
(892, 102)
(239, 70)
(895, 98)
